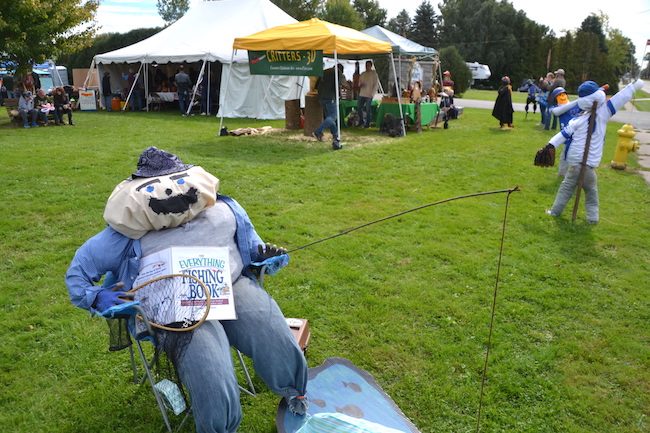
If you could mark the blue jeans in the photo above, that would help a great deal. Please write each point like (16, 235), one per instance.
(364, 107)
(329, 109)
(108, 100)
(136, 97)
(261, 333)
(184, 100)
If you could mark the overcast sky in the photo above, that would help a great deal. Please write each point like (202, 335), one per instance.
(631, 17)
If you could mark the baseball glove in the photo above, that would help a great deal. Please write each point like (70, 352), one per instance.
(545, 157)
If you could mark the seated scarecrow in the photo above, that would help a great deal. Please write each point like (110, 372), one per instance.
(167, 204)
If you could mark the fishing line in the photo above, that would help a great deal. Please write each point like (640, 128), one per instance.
(516, 188)
(494, 305)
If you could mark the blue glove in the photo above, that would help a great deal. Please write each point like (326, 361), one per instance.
(111, 296)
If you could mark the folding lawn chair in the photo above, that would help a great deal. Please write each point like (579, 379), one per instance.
(168, 393)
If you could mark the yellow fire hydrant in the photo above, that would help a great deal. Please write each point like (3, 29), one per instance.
(624, 146)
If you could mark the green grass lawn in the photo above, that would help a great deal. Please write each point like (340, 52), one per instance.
(408, 299)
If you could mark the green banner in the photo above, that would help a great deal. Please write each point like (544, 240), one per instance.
(286, 62)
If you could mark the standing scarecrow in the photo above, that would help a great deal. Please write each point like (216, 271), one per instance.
(589, 95)
(503, 105)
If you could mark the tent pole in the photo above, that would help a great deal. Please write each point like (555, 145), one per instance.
(399, 95)
(224, 94)
(196, 86)
(146, 84)
(128, 98)
(92, 66)
(336, 83)
(208, 102)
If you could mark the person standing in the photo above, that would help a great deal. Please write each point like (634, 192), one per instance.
(542, 96)
(368, 81)
(106, 90)
(183, 87)
(134, 86)
(8, 82)
(327, 97)
(558, 81)
(503, 105)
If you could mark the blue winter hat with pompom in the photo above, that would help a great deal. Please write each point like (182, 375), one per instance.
(587, 88)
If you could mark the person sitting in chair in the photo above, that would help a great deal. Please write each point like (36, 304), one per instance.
(165, 204)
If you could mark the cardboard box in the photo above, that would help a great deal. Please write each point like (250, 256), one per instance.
(300, 329)
(393, 100)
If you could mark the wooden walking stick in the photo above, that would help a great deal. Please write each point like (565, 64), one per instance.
(581, 176)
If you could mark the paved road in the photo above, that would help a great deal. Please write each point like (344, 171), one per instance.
(640, 121)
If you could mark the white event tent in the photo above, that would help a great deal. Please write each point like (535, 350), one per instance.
(204, 35)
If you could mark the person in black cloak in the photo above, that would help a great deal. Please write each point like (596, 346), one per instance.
(503, 105)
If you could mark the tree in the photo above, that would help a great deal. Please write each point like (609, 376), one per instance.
(104, 43)
(401, 24)
(370, 12)
(496, 34)
(172, 10)
(592, 24)
(36, 30)
(299, 9)
(342, 13)
(424, 28)
(453, 62)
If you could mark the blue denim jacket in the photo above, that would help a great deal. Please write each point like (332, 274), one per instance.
(116, 256)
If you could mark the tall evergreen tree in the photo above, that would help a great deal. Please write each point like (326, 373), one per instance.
(370, 12)
(593, 24)
(401, 24)
(424, 28)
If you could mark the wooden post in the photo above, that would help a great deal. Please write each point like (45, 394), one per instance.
(292, 114)
(313, 114)
(585, 155)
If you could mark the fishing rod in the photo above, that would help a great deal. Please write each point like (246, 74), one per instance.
(500, 191)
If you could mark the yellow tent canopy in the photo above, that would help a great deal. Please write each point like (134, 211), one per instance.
(313, 34)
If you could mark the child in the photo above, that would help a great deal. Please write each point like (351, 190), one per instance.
(577, 129)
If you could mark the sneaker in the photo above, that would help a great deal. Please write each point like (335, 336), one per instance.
(317, 136)
(34, 125)
(336, 145)
(297, 405)
(26, 125)
(203, 114)
(71, 124)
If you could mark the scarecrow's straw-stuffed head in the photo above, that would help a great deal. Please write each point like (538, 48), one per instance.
(588, 93)
(162, 193)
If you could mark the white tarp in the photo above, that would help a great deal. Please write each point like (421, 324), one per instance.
(206, 33)
(401, 45)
